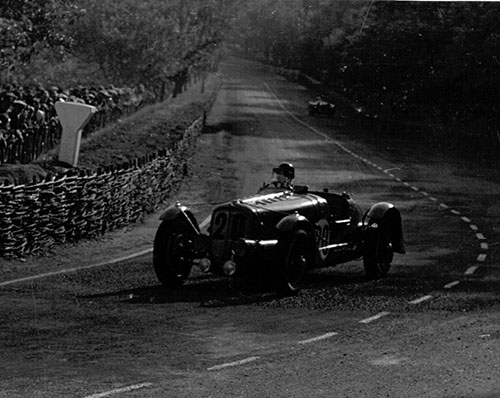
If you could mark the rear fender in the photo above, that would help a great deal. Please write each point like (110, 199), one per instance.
(178, 212)
(390, 225)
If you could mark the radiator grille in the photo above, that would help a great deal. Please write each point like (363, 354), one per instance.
(228, 225)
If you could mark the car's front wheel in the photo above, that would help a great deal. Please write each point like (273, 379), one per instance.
(377, 257)
(172, 253)
(294, 258)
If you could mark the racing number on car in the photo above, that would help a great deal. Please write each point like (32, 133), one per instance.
(220, 223)
(323, 236)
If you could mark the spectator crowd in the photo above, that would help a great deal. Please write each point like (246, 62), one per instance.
(28, 121)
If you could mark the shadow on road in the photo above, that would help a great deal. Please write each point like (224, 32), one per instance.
(208, 291)
(213, 291)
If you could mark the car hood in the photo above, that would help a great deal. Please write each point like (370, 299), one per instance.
(282, 202)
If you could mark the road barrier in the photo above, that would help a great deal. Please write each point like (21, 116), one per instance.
(83, 204)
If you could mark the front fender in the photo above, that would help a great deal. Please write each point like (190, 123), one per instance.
(182, 213)
(293, 222)
(388, 219)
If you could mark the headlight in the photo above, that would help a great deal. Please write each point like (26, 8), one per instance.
(229, 268)
(205, 264)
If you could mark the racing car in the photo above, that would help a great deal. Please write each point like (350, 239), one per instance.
(278, 235)
(319, 106)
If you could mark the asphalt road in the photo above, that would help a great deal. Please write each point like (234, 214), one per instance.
(430, 329)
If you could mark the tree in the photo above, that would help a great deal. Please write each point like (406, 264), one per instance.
(150, 42)
(30, 26)
(297, 33)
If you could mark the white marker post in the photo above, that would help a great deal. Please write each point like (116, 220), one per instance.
(73, 117)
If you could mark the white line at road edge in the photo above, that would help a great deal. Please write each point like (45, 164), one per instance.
(120, 390)
(451, 284)
(421, 299)
(69, 270)
(85, 267)
(235, 363)
(318, 338)
(374, 318)
(204, 223)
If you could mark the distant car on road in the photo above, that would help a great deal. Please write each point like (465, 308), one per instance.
(278, 236)
(319, 106)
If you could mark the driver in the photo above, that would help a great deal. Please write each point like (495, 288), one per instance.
(283, 175)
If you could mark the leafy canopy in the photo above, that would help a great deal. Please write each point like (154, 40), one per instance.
(30, 26)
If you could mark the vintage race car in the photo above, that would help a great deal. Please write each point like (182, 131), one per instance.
(319, 106)
(278, 236)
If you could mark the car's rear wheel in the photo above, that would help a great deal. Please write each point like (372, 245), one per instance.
(172, 253)
(294, 258)
(377, 257)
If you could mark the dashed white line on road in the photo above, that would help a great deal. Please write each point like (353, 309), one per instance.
(421, 299)
(484, 246)
(120, 390)
(392, 168)
(374, 318)
(451, 284)
(471, 270)
(473, 227)
(318, 338)
(235, 363)
(481, 258)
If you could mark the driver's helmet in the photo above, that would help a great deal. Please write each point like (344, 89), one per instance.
(287, 170)
(284, 174)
